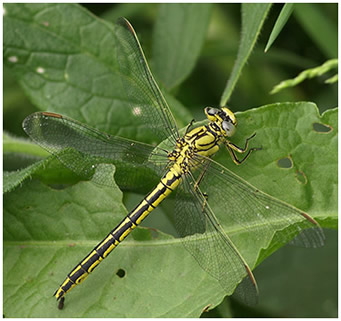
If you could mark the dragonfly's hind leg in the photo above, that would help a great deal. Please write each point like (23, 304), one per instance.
(204, 202)
(201, 176)
(197, 183)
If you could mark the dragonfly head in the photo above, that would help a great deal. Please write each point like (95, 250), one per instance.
(224, 118)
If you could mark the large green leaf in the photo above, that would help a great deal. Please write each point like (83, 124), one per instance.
(290, 130)
(39, 222)
(64, 58)
(84, 213)
(47, 231)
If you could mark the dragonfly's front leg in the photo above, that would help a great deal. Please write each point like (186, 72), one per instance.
(189, 126)
(232, 148)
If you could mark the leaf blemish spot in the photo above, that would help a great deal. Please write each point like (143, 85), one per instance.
(13, 59)
(322, 128)
(3, 11)
(301, 177)
(120, 273)
(45, 23)
(40, 70)
(285, 162)
(137, 111)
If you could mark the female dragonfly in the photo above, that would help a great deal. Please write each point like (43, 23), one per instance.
(185, 166)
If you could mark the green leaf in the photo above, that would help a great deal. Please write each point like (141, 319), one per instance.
(24, 153)
(49, 231)
(308, 74)
(39, 222)
(280, 23)
(179, 34)
(318, 27)
(64, 58)
(13, 102)
(253, 17)
(332, 80)
(14, 144)
(287, 130)
(15, 178)
(82, 214)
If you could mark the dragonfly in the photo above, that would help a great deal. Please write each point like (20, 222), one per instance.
(185, 168)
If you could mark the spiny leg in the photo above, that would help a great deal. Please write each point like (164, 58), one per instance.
(239, 149)
(235, 158)
(232, 148)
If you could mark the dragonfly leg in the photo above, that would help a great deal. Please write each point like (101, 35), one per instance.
(204, 202)
(232, 148)
(239, 149)
(189, 126)
(197, 183)
(235, 158)
(201, 176)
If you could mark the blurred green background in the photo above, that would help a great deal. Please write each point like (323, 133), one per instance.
(297, 48)
(305, 42)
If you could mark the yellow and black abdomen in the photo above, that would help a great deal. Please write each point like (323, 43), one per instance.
(167, 184)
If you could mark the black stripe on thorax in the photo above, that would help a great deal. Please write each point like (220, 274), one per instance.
(212, 143)
(196, 134)
(214, 130)
(209, 147)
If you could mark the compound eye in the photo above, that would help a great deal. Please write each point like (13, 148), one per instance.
(211, 111)
(228, 127)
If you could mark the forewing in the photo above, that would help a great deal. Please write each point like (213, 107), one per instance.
(144, 95)
(81, 148)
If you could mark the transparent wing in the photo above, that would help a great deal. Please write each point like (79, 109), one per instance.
(248, 209)
(205, 239)
(146, 99)
(245, 213)
(81, 148)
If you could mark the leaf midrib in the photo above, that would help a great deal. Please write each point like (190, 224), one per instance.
(154, 242)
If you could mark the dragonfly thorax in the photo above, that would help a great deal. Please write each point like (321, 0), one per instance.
(181, 155)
